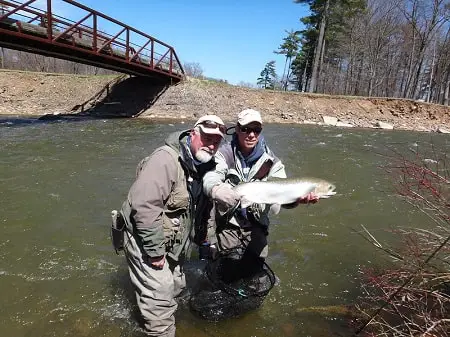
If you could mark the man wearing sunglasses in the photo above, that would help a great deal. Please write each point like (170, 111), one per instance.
(164, 205)
(247, 158)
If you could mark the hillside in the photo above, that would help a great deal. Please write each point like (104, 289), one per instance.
(28, 93)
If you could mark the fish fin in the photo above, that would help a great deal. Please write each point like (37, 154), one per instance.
(310, 189)
(274, 209)
(245, 202)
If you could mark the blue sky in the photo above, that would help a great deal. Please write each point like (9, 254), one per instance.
(230, 39)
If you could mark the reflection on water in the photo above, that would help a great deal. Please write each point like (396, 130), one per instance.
(60, 180)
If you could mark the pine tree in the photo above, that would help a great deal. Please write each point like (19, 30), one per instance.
(321, 9)
(288, 48)
(267, 76)
(327, 19)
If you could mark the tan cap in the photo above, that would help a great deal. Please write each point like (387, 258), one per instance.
(211, 124)
(248, 116)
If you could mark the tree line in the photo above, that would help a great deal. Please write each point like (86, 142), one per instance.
(19, 60)
(384, 48)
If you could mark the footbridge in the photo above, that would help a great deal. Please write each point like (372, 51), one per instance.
(91, 38)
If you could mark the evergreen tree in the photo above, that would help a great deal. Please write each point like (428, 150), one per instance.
(288, 48)
(267, 76)
(302, 64)
(300, 69)
(320, 10)
(328, 18)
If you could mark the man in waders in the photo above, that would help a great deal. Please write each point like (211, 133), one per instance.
(164, 206)
(247, 158)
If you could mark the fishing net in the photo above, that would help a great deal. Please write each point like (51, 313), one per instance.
(233, 283)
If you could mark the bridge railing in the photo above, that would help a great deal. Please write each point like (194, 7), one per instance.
(127, 44)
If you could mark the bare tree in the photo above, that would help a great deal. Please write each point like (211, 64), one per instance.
(19, 60)
(320, 48)
(424, 20)
(411, 296)
(382, 22)
(393, 48)
(246, 84)
(193, 69)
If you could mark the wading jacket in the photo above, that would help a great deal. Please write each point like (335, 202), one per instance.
(166, 199)
(233, 168)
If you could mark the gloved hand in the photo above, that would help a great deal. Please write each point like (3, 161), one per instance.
(256, 208)
(224, 194)
(274, 209)
(259, 212)
(254, 211)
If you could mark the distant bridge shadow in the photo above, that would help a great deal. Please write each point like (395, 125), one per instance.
(123, 97)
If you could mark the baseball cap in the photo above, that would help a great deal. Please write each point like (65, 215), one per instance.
(211, 124)
(249, 115)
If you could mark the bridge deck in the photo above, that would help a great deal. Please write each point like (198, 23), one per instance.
(27, 28)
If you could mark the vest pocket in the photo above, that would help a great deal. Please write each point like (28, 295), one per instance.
(173, 231)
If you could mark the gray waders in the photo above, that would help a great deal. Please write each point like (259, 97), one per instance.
(155, 289)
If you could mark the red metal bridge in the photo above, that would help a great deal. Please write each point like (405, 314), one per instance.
(33, 27)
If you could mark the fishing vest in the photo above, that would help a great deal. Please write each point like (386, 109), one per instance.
(259, 171)
(176, 215)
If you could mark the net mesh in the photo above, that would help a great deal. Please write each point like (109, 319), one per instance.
(232, 284)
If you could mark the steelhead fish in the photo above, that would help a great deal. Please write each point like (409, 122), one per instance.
(282, 191)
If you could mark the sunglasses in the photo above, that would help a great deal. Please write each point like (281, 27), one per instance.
(214, 125)
(248, 130)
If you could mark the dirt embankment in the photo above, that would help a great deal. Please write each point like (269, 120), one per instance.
(30, 93)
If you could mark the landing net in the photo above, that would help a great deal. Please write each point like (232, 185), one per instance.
(233, 284)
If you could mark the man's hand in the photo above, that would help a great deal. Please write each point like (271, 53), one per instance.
(224, 194)
(310, 198)
(156, 262)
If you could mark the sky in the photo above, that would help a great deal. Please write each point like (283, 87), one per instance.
(230, 39)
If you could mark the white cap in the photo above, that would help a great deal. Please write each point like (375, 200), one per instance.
(249, 115)
(211, 124)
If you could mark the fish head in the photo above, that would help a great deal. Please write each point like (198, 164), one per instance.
(324, 189)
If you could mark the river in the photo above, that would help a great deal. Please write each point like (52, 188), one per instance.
(59, 181)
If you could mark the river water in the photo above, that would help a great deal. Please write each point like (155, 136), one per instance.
(59, 181)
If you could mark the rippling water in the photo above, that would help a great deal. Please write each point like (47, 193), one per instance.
(59, 181)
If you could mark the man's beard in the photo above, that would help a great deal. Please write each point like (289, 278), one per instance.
(203, 156)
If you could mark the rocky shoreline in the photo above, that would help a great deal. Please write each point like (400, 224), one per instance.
(58, 95)
(195, 98)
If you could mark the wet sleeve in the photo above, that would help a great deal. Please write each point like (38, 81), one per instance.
(148, 195)
(277, 169)
(216, 176)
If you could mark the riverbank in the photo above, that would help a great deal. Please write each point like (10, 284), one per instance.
(30, 93)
